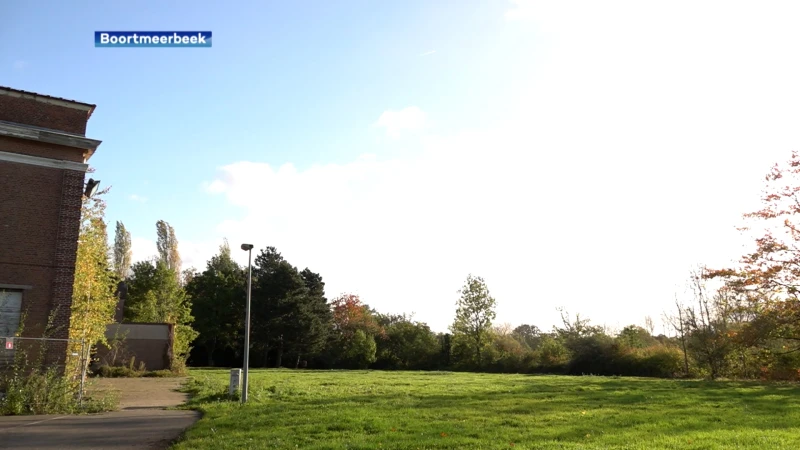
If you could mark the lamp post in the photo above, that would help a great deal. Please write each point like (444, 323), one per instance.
(249, 249)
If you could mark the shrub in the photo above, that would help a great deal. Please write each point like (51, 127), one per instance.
(553, 356)
(45, 392)
(654, 361)
(48, 392)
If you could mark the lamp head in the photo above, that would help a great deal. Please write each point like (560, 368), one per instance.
(91, 187)
(247, 247)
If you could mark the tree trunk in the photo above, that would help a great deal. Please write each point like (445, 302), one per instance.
(210, 349)
(297, 364)
(478, 350)
(280, 352)
(683, 343)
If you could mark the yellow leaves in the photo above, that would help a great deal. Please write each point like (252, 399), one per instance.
(93, 300)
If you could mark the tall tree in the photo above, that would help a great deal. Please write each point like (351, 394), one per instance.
(290, 315)
(122, 251)
(218, 297)
(167, 245)
(93, 300)
(474, 315)
(313, 316)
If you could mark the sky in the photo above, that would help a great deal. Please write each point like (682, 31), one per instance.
(574, 154)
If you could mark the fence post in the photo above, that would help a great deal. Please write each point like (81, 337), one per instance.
(83, 372)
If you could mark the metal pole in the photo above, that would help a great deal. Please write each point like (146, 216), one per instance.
(247, 327)
(83, 371)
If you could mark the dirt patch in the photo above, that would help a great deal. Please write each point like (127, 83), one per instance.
(141, 393)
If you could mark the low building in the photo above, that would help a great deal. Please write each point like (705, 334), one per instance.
(43, 162)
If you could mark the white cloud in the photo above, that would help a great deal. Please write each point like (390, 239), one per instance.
(396, 122)
(428, 53)
(19, 65)
(143, 249)
(642, 137)
(137, 198)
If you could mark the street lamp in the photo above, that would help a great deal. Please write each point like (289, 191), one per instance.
(91, 187)
(249, 249)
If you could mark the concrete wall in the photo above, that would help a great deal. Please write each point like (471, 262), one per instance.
(144, 342)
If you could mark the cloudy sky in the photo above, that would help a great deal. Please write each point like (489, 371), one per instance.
(575, 154)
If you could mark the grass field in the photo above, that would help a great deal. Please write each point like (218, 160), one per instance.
(427, 410)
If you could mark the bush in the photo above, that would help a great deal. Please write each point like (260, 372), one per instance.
(45, 392)
(782, 366)
(48, 392)
(593, 354)
(654, 361)
(552, 354)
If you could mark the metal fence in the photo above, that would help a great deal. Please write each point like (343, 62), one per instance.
(40, 354)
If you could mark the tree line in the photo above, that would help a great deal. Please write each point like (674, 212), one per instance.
(739, 322)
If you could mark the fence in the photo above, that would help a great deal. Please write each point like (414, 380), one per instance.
(48, 354)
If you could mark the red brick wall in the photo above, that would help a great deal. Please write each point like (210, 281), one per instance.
(29, 200)
(66, 248)
(40, 149)
(40, 210)
(39, 223)
(41, 114)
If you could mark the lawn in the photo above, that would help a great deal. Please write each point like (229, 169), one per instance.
(427, 410)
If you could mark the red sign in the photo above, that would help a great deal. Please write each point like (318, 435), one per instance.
(9, 344)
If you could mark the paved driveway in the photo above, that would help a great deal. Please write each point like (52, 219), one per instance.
(142, 422)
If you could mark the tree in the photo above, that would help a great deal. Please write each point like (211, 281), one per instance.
(406, 344)
(218, 297)
(707, 323)
(122, 251)
(167, 245)
(528, 335)
(93, 300)
(677, 324)
(289, 310)
(769, 276)
(361, 350)
(351, 319)
(313, 317)
(155, 295)
(577, 328)
(350, 314)
(474, 315)
(634, 336)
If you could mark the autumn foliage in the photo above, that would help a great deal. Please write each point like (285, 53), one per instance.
(93, 299)
(768, 277)
(350, 315)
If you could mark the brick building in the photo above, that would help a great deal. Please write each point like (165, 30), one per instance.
(43, 156)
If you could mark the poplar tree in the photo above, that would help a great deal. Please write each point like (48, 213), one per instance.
(122, 251)
(167, 245)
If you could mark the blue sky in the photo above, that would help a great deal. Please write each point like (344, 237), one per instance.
(281, 84)
(573, 154)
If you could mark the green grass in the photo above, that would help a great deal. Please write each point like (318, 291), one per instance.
(427, 410)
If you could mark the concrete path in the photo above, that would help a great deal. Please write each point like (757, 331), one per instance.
(142, 422)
